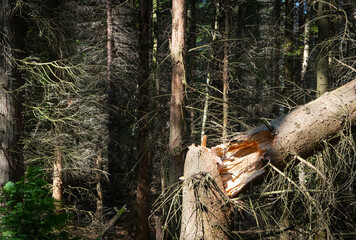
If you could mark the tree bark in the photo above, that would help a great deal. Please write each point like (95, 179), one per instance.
(11, 120)
(143, 176)
(57, 184)
(208, 78)
(288, 43)
(176, 119)
(177, 98)
(113, 118)
(245, 160)
(191, 65)
(322, 73)
(298, 133)
(277, 57)
(225, 77)
(205, 213)
(305, 57)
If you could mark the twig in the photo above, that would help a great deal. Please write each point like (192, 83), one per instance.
(112, 221)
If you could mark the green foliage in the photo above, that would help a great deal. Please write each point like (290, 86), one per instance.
(314, 29)
(28, 210)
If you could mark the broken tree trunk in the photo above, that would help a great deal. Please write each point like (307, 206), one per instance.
(243, 160)
(205, 206)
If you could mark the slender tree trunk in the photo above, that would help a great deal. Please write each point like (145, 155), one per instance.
(143, 176)
(305, 50)
(177, 98)
(99, 189)
(109, 41)
(206, 106)
(11, 120)
(225, 77)
(57, 184)
(304, 67)
(176, 119)
(322, 73)
(57, 176)
(288, 44)
(112, 160)
(191, 43)
(155, 48)
(208, 78)
(277, 56)
(156, 82)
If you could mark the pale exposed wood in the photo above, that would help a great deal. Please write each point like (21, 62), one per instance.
(203, 140)
(295, 135)
(205, 213)
(246, 158)
(242, 160)
(57, 176)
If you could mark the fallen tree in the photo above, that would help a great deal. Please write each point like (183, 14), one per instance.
(245, 159)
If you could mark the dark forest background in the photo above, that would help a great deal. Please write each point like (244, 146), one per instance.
(86, 91)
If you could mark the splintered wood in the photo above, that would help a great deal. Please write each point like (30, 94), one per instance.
(241, 160)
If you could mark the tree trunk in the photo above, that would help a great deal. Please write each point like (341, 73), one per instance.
(99, 188)
(112, 123)
(205, 209)
(300, 132)
(155, 78)
(191, 65)
(288, 43)
(57, 184)
(143, 176)
(11, 120)
(208, 78)
(305, 49)
(245, 159)
(322, 73)
(176, 120)
(177, 98)
(225, 77)
(277, 57)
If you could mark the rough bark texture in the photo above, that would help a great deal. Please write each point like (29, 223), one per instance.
(298, 133)
(208, 78)
(191, 43)
(177, 98)
(113, 116)
(205, 210)
(11, 120)
(288, 44)
(225, 77)
(301, 131)
(143, 177)
(243, 160)
(99, 188)
(277, 56)
(322, 72)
